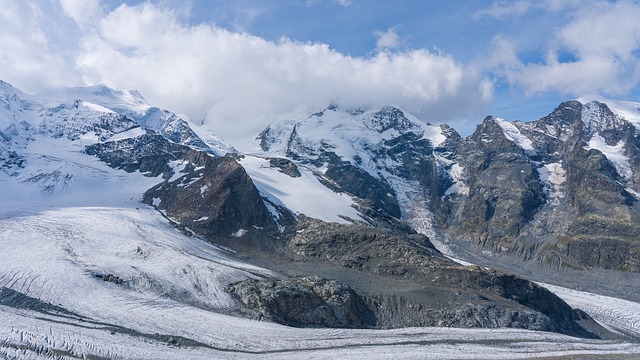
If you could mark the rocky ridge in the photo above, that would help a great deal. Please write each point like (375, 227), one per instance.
(547, 191)
(394, 168)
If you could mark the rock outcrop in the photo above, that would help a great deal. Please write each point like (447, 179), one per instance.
(213, 197)
(305, 302)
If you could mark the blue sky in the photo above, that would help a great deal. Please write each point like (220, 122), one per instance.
(238, 65)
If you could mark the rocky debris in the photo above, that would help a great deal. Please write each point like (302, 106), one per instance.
(305, 302)
(360, 247)
(479, 312)
(285, 166)
(110, 278)
(561, 317)
(403, 281)
(498, 302)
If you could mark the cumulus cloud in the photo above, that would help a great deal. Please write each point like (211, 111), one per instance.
(238, 83)
(235, 83)
(597, 51)
(387, 39)
(27, 56)
(83, 12)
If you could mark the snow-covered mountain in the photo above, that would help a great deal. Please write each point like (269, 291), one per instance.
(322, 226)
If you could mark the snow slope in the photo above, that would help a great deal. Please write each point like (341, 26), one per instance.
(358, 137)
(303, 195)
(513, 133)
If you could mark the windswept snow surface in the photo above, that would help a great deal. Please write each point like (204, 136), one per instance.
(303, 195)
(57, 173)
(513, 133)
(615, 154)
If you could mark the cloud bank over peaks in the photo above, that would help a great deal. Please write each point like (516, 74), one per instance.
(239, 83)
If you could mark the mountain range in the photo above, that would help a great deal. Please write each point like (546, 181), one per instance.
(349, 218)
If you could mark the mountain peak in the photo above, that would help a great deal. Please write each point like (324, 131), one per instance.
(628, 110)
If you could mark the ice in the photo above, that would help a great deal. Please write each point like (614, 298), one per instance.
(614, 153)
(458, 187)
(552, 177)
(135, 132)
(513, 133)
(96, 107)
(239, 233)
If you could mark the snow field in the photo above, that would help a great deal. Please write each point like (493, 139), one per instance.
(303, 195)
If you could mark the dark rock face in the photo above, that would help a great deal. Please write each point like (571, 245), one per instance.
(172, 127)
(357, 182)
(150, 154)
(408, 282)
(586, 219)
(285, 166)
(561, 317)
(504, 188)
(215, 198)
(542, 191)
(402, 281)
(389, 148)
(305, 302)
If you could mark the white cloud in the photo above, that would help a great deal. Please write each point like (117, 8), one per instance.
(27, 57)
(387, 39)
(597, 51)
(83, 12)
(344, 3)
(240, 83)
(236, 82)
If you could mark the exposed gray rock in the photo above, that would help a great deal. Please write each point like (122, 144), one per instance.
(285, 166)
(403, 280)
(592, 219)
(151, 154)
(215, 198)
(504, 189)
(365, 248)
(305, 302)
